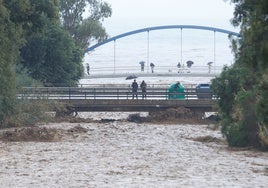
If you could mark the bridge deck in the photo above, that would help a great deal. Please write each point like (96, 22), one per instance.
(193, 73)
(80, 105)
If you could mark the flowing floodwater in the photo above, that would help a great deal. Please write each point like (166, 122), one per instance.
(124, 154)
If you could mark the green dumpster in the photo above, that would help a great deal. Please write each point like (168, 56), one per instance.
(176, 91)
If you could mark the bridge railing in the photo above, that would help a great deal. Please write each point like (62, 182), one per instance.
(158, 69)
(70, 93)
(151, 85)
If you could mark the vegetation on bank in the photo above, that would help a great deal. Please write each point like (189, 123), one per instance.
(243, 88)
(42, 43)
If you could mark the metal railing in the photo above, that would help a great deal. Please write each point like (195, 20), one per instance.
(158, 69)
(153, 93)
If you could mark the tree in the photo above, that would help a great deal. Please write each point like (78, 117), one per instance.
(53, 58)
(242, 88)
(32, 15)
(31, 35)
(9, 45)
(84, 30)
(39, 19)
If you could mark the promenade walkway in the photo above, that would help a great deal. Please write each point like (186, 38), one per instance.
(108, 72)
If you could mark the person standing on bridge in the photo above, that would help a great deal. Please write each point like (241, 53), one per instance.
(179, 67)
(142, 63)
(189, 65)
(143, 89)
(134, 86)
(152, 67)
(88, 68)
(209, 66)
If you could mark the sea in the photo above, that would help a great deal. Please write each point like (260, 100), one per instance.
(165, 48)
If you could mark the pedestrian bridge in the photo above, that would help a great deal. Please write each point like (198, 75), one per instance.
(159, 72)
(84, 99)
(113, 62)
(148, 29)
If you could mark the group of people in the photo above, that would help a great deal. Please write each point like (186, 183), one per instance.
(182, 67)
(189, 65)
(152, 65)
(135, 87)
(142, 63)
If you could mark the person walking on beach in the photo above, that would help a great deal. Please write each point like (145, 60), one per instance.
(134, 86)
(143, 89)
(152, 67)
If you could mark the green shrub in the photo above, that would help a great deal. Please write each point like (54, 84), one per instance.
(236, 135)
(28, 113)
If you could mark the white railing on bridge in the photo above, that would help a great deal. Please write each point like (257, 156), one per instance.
(158, 71)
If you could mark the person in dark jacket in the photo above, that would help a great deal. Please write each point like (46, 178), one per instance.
(152, 67)
(88, 68)
(134, 86)
(143, 89)
(179, 67)
(142, 63)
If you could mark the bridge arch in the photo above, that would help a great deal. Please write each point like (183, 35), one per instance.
(148, 29)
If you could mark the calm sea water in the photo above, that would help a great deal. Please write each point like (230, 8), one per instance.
(166, 48)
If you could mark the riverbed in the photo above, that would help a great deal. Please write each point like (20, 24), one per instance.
(126, 154)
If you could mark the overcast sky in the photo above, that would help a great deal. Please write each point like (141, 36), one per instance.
(135, 14)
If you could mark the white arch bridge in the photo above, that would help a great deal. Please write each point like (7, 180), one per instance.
(148, 30)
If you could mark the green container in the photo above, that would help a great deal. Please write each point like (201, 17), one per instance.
(176, 91)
